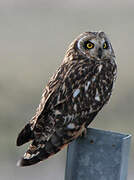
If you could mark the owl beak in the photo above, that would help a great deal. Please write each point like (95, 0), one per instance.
(99, 53)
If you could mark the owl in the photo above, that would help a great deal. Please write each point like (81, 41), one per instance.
(75, 94)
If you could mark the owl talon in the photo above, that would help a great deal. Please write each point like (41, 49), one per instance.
(84, 133)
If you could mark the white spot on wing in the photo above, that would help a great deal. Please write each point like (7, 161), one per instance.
(34, 155)
(97, 97)
(27, 156)
(75, 107)
(94, 78)
(71, 126)
(69, 118)
(87, 85)
(100, 67)
(76, 92)
(57, 112)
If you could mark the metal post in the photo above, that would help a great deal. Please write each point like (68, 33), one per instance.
(101, 155)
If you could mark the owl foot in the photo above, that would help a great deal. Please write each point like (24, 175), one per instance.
(84, 133)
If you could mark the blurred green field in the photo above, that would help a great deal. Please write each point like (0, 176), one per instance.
(34, 36)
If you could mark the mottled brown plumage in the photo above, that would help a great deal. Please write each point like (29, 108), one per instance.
(78, 90)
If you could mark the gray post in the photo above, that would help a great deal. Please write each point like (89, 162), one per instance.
(101, 155)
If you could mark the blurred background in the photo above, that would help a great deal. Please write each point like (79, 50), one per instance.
(34, 36)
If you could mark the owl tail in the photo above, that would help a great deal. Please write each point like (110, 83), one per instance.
(40, 151)
(25, 135)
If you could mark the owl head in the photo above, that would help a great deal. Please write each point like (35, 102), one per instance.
(93, 45)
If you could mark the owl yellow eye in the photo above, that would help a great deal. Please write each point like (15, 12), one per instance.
(88, 45)
(105, 45)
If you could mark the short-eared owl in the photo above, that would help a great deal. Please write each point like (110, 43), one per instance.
(78, 90)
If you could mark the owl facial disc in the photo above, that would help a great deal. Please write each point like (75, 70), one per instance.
(95, 45)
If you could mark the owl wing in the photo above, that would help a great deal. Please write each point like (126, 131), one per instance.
(55, 82)
(61, 90)
(63, 93)
(78, 96)
(67, 99)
